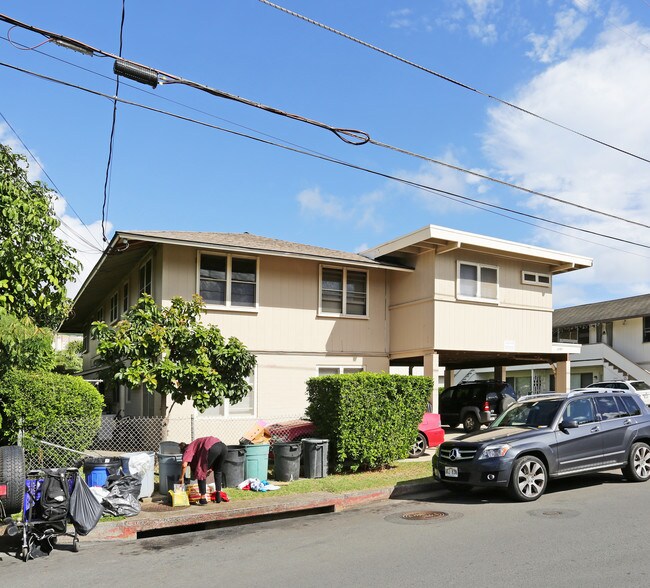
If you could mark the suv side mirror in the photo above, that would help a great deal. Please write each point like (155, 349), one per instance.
(568, 424)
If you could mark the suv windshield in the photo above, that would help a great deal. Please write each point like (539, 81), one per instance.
(640, 386)
(534, 414)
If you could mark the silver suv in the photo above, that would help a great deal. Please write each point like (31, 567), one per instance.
(550, 436)
(638, 386)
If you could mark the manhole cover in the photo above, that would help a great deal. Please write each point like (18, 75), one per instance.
(424, 515)
(554, 514)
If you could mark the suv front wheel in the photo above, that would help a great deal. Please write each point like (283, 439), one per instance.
(638, 464)
(529, 479)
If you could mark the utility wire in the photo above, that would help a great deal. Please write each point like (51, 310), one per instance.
(452, 80)
(350, 136)
(77, 235)
(157, 96)
(438, 191)
(111, 141)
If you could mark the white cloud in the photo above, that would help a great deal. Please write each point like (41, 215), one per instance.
(483, 14)
(599, 91)
(313, 203)
(86, 240)
(569, 25)
(361, 211)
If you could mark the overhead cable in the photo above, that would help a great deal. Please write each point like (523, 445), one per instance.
(453, 81)
(438, 191)
(350, 136)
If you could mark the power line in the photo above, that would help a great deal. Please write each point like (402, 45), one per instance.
(351, 136)
(452, 80)
(438, 191)
(80, 237)
(111, 141)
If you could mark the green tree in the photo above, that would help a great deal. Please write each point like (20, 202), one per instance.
(35, 264)
(167, 350)
(24, 346)
(68, 360)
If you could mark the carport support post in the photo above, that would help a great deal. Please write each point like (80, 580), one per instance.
(432, 370)
(563, 375)
(500, 373)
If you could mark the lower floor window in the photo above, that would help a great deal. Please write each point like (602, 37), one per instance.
(336, 370)
(245, 407)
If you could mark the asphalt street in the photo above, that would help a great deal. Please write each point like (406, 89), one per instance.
(583, 532)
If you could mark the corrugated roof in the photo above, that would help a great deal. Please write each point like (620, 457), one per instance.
(611, 310)
(253, 243)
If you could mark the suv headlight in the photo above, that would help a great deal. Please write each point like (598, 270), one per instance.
(495, 451)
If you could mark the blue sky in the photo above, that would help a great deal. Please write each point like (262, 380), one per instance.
(582, 63)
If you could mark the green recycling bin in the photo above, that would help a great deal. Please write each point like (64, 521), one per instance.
(257, 461)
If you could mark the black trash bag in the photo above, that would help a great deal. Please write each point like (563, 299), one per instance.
(122, 499)
(85, 510)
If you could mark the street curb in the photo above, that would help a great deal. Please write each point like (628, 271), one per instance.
(128, 530)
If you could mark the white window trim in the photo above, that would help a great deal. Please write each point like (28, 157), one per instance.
(142, 265)
(121, 298)
(460, 296)
(226, 406)
(535, 281)
(114, 296)
(345, 269)
(228, 306)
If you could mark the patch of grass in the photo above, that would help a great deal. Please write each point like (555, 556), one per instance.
(400, 472)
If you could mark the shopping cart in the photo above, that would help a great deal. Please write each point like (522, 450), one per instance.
(42, 525)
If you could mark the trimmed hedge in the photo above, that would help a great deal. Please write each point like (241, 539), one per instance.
(39, 402)
(370, 419)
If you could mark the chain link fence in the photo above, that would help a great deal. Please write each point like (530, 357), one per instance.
(119, 436)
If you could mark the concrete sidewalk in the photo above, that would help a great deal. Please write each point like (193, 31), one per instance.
(158, 518)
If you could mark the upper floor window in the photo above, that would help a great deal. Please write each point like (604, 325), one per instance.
(227, 280)
(646, 329)
(535, 279)
(146, 272)
(115, 312)
(125, 298)
(478, 282)
(343, 291)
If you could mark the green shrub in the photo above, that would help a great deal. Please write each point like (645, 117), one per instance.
(370, 419)
(41, 402)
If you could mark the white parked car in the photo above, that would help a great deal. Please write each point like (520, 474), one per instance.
(638, 386)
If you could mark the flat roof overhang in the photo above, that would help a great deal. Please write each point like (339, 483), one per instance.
(444, 240)
(457, 360)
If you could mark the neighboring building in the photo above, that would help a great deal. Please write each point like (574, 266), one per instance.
(436, 298)
(614, 339)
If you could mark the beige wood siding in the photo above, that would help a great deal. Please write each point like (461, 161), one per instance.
(520, 321)
(286, 318)
(411, 306)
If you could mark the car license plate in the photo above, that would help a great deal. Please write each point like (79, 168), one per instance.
(451, 472)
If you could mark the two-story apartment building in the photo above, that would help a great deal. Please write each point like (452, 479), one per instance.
(436, 298)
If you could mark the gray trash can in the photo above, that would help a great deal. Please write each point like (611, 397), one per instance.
(286, 461)
(169, 471)
(233, 466)
(315, 453)
(169, 447)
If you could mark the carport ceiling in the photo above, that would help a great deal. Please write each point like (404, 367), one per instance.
(457, 360)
